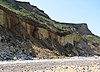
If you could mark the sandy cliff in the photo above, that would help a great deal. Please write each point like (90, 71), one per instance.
(26, 28)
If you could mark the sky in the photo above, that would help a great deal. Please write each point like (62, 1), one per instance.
(74, 11)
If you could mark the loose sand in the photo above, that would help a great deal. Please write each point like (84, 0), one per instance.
(75, 64)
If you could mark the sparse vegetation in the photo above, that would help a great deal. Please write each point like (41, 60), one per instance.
(20, 10)
(1, 17)
(92, 38)
(36, 17)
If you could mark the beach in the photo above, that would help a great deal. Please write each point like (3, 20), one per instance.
(52, 65)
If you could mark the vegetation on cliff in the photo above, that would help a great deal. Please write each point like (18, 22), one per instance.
(27, 32)
(36, 17)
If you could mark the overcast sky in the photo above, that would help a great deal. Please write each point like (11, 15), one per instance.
(77, 11)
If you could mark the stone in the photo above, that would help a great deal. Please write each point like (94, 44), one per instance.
(34, 34)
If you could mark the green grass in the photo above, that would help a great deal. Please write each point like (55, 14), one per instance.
(92, 38)
(20, 10)
(36, 17)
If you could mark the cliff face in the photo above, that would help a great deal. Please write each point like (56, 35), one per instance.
(29, 31)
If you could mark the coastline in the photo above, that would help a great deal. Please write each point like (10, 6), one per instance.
(74, 64)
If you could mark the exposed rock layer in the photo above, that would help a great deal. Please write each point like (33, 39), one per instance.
(34, 39)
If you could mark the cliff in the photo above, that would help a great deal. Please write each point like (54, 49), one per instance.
(27, 32)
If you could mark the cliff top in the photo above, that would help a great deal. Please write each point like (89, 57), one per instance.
(26, 32)
(32, 13)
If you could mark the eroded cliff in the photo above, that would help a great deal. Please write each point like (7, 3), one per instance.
(27, 32)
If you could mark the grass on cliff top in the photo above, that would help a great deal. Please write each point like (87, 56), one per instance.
(92, 38)
(36, 17)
